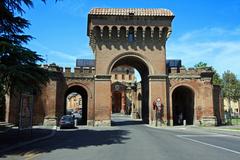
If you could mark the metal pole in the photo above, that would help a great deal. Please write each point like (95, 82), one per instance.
(156, 117)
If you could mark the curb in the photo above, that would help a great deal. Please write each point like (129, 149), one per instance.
(166, 128)
(29, 142)
(235, 133)
(6, 130)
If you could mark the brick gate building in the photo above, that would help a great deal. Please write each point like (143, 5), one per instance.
(134, 38)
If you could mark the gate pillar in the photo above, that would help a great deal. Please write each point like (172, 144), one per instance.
(103, 100)
(157, 89)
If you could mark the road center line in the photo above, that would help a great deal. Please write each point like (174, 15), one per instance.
(207, 144)
(207, 135)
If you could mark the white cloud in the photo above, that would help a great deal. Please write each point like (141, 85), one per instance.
(205, 34)
(218, 47)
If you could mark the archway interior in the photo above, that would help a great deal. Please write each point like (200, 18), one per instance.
(77, 97)
(183, 105)
(132, 100)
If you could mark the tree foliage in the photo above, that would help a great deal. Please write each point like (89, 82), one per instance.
(216, 77)
(231, 86)
(18, 65)
(201, 65)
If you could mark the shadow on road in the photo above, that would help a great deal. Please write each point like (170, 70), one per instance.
(73, 139)
(126, 123)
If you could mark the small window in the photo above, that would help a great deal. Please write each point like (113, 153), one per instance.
(130, 37)
(123, 76)
(130, 77)
(116, 77)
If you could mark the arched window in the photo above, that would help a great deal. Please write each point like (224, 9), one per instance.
(148, 33)
(131, 35)
(122, 33)
(156, 33)
(96, 32)
(114, 32)
(105, 32)
(139, 36)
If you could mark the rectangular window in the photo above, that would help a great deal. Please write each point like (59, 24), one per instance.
(130, 77)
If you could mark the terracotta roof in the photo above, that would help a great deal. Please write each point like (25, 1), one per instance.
(131, 11)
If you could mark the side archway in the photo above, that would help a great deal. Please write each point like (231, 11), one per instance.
(183, 101)
(83, 105)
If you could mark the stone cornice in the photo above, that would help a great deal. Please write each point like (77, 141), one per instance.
(81, 78)
(184, 76)
(103, 77)
(157, 77)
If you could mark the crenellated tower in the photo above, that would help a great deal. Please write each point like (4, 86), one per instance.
(132, 37)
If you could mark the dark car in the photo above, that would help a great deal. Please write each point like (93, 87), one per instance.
(66, 121)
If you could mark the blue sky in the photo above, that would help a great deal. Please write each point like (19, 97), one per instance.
(203, 30)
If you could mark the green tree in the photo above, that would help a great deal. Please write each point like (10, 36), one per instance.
(19, 70)
(230, 87)
(201, 65)
(216, 77)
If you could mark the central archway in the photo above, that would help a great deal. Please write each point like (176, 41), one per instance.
(137, 62)
(78, 90)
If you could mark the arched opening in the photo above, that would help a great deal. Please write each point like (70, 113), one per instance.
(76, 103)
(139, 36)
(183, 105)
(147, 33)
(131, 37)
(130, 87)
(105, 33)
(97, 32)
(114, 34)
(156, 33)
(122, 33)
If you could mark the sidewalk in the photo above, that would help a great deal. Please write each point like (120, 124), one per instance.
(229, 130)
(13, 138)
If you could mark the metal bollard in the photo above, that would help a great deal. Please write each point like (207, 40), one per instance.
(184, 123)
(75, 122)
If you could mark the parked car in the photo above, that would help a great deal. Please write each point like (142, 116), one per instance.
(66, 121)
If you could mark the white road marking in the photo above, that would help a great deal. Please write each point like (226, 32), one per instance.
(207, 144)
(205, 135)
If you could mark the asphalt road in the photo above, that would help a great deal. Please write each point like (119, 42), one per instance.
(132, 140)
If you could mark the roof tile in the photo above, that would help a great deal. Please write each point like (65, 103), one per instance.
(128, 11)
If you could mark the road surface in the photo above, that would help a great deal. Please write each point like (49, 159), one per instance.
(131, 140)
